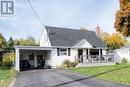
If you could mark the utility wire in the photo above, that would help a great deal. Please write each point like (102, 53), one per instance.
(29, 2)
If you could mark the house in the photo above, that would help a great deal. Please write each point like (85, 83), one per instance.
(58, 44)
(121, 53)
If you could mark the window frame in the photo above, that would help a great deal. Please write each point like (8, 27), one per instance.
(65, 53)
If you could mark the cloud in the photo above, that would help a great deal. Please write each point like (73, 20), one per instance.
(65, 13)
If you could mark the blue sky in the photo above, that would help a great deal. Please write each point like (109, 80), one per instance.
(62, 13)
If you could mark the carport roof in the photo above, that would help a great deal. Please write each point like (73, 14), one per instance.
(33, 47)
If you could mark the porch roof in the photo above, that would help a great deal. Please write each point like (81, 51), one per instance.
(32, 48)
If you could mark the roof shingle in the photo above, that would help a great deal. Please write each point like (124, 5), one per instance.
(68, 37)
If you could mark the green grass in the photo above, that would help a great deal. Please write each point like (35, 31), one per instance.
(6, 76)
(116, 73)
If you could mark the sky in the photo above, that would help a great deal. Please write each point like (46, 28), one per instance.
(60, 13)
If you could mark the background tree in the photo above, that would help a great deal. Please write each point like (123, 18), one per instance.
(122, 21)
(32, 40)
(104, 36)
(3, 44)
(29, 41)
(83, 28)
(10, 44)
(116, 41)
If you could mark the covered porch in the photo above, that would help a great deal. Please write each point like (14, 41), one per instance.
(32, 57)
(93, 55)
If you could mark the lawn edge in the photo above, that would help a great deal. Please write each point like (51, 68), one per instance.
(97, 78)
(12, 82)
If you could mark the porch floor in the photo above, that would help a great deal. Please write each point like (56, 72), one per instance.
(94, 64)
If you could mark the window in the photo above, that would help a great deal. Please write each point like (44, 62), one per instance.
(63, 51)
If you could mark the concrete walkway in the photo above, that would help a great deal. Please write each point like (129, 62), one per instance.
(59, 78)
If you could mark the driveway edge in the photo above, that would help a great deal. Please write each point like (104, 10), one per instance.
(12, 83)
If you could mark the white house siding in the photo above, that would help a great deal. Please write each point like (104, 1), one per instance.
(129, 56)
(103, 51)
(58, 60)
(17, 60)
(122, 53)
(44, 40)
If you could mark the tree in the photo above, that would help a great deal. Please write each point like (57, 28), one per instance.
(29, 41)
(16, 42)
(122, 21)
(104, 36)
(115, 41)
(3, 44)
(32, 40)
(10, 44)
(8, 59)
(83, 29)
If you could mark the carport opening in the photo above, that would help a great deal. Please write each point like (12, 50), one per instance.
(34, 59)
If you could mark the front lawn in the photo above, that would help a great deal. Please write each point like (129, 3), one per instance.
(116, 73)
(6, 76)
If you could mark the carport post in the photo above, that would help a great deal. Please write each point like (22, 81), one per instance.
(35, 60)
(17, 59)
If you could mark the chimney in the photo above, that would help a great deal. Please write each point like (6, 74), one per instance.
(98, 31)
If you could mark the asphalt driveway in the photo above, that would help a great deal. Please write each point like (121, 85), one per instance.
(59, 78)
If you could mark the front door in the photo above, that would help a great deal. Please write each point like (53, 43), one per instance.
(80, 55)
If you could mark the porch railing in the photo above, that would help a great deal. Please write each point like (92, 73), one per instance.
(95, 58)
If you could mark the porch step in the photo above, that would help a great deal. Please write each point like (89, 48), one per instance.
(94, 64)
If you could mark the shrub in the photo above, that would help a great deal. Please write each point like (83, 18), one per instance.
(73, 64)
(117, 63)
(8, 59)
(68, 63)
(124, 60)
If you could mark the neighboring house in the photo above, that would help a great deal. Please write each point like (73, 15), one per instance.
(121, 53)
(58, 44)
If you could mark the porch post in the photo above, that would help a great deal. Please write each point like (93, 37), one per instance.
(88, 52)
(35, 60)
(17, 60)
(89, 55)
(99, 54)
(84, 53)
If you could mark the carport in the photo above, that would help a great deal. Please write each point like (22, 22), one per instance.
(32, 57)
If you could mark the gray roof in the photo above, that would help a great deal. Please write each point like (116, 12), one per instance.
(68, 37)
